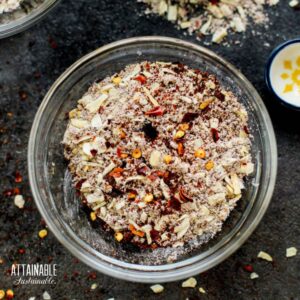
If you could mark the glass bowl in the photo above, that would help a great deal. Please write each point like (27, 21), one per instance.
(30, 12)
(51, 182)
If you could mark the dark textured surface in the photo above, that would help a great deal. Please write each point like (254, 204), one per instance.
(29, 66)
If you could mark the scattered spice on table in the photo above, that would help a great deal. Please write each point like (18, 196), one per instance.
(18, 177)
(21, 251)
(157, 288)
(43, 233)
(254, 275)
(19, 201)
(23, 95)
(46, 296)
(94, 286)
(189, 283)
(265, 256)
(9, 294)
(52, 43)
(294, 4)
(292, 251)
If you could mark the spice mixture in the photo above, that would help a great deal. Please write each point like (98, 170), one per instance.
(11, 10)
(159, 153)
(212, 17)
(9, 5)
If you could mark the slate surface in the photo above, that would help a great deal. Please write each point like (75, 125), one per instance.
(29, 64)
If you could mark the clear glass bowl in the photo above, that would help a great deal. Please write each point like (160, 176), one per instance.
(62, 211)
(30, 12)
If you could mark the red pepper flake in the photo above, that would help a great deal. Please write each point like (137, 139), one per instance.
(76, 261)
(214, 2)
(116, 172)
(141, 78)
(16, 191)
(154, 234)
(23, 95)
(52, 43)
(147, 66)
(183, 196)
(246, 129)
(156, 174)
(156, 111)
(127, 236)
(180, 149)
(21, 251)
(92, 275)
(189, 117)
(8, 271)
(37, 75)
(219, 95)
(8, 193)
(152, 177)
(248, 268)
(94, 152)
(119, 152)
(174, 203)
(142, 170)
(76, 274)
(18, 177)
(9, 294)
(79, 184)
(215, 134)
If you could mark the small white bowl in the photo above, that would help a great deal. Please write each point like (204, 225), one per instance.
(282, 73)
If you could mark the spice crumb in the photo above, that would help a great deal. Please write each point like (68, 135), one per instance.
(254, 275)
(189, 283)
(202, 290)
(157, 288)
(9, 294)
(2, 294)
(19, 201)
(94, 286)
(265, 256)
(46, 296)
(292, 251)
(43, 233)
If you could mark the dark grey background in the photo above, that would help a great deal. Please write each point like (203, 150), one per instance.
(29, 64)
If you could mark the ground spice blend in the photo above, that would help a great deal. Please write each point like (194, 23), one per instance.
(159, 152)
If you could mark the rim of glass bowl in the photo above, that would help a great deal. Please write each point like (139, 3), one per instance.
(176, 270)
(23, 23)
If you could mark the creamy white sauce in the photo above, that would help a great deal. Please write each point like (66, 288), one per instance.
(285, 74)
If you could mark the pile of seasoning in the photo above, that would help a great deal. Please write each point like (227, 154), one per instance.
(212, 17)
(159, 152)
